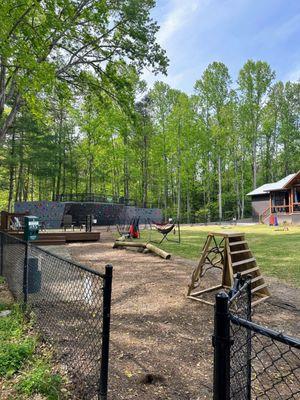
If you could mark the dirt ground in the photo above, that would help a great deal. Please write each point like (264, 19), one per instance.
(161, 342)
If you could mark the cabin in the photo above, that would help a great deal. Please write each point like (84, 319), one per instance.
(280, 199)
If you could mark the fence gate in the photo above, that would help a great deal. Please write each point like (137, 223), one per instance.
(251, 361)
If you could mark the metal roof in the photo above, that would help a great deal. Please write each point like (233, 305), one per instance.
(268, 187)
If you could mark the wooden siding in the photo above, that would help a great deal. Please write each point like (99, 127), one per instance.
(259, 204)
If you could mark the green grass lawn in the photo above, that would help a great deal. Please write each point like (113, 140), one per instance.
(277, 252)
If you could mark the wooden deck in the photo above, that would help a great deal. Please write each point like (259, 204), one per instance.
(57, 238)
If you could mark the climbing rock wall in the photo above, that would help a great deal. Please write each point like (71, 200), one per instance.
(51, 213)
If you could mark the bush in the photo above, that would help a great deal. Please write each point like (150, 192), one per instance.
(15, 345)
(40, 380)
(12, 355)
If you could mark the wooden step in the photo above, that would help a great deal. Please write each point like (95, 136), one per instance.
(255, 279)
(264, 298)
(240, 251)
(248, 271)
(49, 242)
(247, 261)
(52, 237)
(236, 243)
(257, 288)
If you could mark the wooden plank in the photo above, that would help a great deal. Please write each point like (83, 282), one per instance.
(240, 251)
(227, 276)
(49, 242)
(256, 278)
(237, 243)
(211, 289)
(254, 303)
(82, 236)
(248, 271)
(197, 271)
(242, 262)
(227, 234)
(258, 288)
(201, 300)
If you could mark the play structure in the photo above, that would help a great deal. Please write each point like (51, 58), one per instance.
(166, 230)
(146, 247)
(230, 253)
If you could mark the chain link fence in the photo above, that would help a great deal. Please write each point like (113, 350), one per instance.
(251, 361)
(71, 304)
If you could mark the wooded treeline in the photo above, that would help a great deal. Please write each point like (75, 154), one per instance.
(71, 129)
(197, 154)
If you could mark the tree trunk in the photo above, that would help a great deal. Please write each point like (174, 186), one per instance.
(126, 167)
(145, 168)
(220, 188)
(19, 187)
(179, 171)
(165, 160)
(237, 187)
(59, 163)
(188, 204)
(11, 172)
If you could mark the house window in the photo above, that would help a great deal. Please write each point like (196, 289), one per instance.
(280, 202)
(278, 199)
(296, 198)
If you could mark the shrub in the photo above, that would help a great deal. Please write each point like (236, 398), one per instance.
(12, 355)
(40, 380)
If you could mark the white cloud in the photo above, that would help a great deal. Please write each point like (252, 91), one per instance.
(180, 14)
(293, 75)
(288, 28)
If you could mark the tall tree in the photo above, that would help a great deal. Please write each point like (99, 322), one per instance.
(215, 86)
(42, 42)
(254, 82)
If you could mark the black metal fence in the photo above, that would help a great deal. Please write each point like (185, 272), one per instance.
(251, 361)
(72, 308)
(103, 198)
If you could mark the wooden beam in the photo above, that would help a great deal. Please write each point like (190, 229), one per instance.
(211, 289)
(158, 251)
(201, 300)
(119, 243)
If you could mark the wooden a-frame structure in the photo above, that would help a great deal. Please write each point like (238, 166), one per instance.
(230, 252)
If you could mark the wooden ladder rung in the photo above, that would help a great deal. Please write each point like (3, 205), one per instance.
(254, 303)
(257, 288)
(256, 278)
(248, 260)
(240, 251)
(248, 271)
(236, 243)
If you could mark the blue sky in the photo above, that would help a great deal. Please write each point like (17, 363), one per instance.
(198, 32)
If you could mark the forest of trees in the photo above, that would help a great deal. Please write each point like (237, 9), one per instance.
(76, 116)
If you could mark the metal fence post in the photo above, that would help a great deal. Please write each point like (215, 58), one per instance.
(105, 332)
(249, 343)
(1, 250)
(25, 274)
(221, 343)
